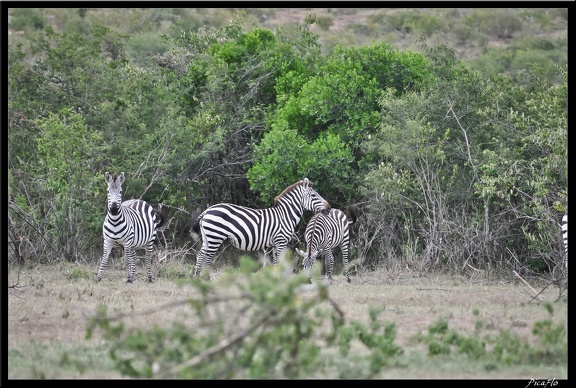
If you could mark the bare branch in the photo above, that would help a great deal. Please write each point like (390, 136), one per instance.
(222, 345)
(457, 118)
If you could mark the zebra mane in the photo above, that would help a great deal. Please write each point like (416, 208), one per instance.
(289, 188)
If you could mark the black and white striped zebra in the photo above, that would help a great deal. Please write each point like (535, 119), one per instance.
(565, 236)
(131, 224)
(255, 229)
(324, 232)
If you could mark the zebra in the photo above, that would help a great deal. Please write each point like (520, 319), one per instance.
(565, 235)
(325, 231)
(131, 224)
(249, 229)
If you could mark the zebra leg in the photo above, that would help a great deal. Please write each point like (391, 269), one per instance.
(130, 262)
(296, 262)
(329, 265)
(280, 254)
(345, 261)
(309, 273)
(308, 263)
(104, 262)
(202, 255)
(149, 252)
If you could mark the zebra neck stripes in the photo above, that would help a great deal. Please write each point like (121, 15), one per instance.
(116, 226)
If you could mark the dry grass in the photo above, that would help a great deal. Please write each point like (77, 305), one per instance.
(49, 309)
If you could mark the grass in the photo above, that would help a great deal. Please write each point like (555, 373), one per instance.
(49, 308)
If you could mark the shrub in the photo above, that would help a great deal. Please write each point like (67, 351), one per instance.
(26, 18)
(325, 22)
(252, 326)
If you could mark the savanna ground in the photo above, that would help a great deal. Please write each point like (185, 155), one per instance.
(49, 308)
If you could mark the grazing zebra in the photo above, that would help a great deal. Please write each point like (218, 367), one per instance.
(250, 229)
(131, 224)
(325, 231)
(565, 235)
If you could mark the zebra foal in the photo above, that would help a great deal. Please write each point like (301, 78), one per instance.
(325, 231)
(255, 229)
(130, 224)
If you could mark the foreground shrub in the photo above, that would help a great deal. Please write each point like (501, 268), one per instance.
(507, 348)
(252, 325)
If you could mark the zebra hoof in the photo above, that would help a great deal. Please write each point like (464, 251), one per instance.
(349, 280)
(150, 279)
(129, 281)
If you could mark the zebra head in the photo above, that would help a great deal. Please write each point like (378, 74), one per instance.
(311, 200)
(114, 192)
(308, 257)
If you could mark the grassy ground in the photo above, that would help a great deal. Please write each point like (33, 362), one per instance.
(49, 308)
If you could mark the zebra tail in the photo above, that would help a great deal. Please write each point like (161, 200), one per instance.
(197, 216)
(160, 218)
(352, 214)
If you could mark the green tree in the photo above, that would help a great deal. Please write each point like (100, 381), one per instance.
(225, 80)
(131, 109)
(286, 156)
(461, 167)
(339, 100)
(527, 172)
(67, 150)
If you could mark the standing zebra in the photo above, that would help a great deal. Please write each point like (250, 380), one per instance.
(131, 224)
(565, 235)
(255, 229)
(325, 231)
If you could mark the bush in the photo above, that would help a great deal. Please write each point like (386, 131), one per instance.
(325, 22)
(506, 347)
(252, 326)
(495, 22)
(26, 18)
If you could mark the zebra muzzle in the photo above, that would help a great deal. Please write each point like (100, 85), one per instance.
(114, 210)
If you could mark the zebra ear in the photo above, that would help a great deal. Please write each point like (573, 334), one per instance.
(120, 179)
(306, 182)
(107, 177)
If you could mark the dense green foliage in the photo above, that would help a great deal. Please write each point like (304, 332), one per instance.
(451, 167)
